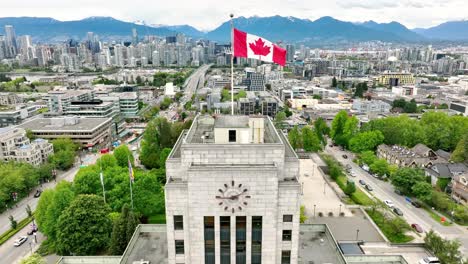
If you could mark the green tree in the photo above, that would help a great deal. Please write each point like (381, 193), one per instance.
(379, 167)
(33, 259)
(368, 140)
(460, 153)
(30, 134)
(13, 222)
(279, 119)
(338, 126)
(350, 129)
(322, 129)
(148, 195)
(334, 82)
(28, 211)
(84, 227)
(310, 140)
(122, 154)
(448, 251)
(106, 161)
(359, 91)
(287, 111)
(367, 157)
(350, 188)
(405, 178)
(422, 190)
(62, 196)
(122, 226)
(397, 226)
(87, 180)
(163, 157)
(295, 138)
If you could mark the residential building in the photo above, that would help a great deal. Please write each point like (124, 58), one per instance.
(445, 171)
(246, 106)
(301, 103)
(94, 108)
(405, 90)
(14, 115)
(371, 107)
(127, 103)
(58, 100)
(460, 188)
(232, 193)
(459, 107)
(255, 81)
(269, 106)
(88, 132)
(10, 99)
(16, 146)
(418, 156)
(396, 79)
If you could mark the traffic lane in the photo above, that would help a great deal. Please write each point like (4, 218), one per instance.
(11, 254)
(385, 191)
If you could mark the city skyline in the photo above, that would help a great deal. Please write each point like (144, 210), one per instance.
(208, 14)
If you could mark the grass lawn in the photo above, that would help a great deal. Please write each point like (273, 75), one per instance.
(8, 234)
(358, 197)
(436, 217)
(381, 222)
(157, 219)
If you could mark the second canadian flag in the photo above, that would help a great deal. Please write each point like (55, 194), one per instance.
(254, 47)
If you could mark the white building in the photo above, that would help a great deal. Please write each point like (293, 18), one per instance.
(16, 146)
(169, 89)
(232, 193)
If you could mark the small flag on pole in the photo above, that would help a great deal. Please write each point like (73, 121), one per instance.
(130, 171)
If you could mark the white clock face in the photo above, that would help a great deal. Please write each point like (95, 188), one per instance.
(233, 197)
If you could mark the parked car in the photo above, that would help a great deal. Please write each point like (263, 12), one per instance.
(345, 156)
(18, 242)
(369, 188)
(348, 167)
(362, 182)
(398, 192)
(429, 260)
(389, 203)
(416, 204)
(417, 227)
(397, 211)
(352, 173)
(37, 194)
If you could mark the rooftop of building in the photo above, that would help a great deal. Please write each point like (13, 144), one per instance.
(67, 124)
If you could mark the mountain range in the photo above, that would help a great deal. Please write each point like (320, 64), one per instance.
(276, 28)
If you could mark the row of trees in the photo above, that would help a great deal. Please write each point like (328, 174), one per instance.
(401, 105)
(178, 78)
(437, 130)
(76, 219)
(311, 139)
(448, 251)
(159, 137)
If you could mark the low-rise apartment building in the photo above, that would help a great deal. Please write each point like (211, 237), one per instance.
(16, 146)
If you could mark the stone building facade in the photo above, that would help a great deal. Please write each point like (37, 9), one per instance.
(232, 193)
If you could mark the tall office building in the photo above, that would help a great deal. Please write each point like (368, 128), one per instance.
(232, 194)
(255, 81)
(134, 36)
(10, 37)
(180, 38)
(290, 51)
(3, 49)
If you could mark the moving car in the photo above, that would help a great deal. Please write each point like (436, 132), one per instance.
(369, 188)
(18, 242)
(398, 192)
(37, 194)
(345, 156)
(417, 227)
(348, 167)
(362, 182)
(389, 203)
(416, 204)
(397, 211)
(352, 173)
(429, 260)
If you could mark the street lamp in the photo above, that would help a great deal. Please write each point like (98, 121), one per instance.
(324, 185)
(302, 189)
(314, 210)
(357, 234)
(340, 210)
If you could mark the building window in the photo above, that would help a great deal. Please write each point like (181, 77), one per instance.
(225, 239)
(287, 218)
(286, 235)
(178, 222)
(179, 247)
(232, 135)
(286, 257)
(256, 240)
(209, 240)
(241, 226)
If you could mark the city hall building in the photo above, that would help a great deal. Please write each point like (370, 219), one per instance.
(232, 193)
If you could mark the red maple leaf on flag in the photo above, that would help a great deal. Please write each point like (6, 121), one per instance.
(259, 48)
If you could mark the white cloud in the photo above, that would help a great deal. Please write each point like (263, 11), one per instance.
(208, 14)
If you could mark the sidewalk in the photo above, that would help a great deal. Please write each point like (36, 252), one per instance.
(19, 210)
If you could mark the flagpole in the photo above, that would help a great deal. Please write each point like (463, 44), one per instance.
(130, 171)
(102, 181)
(232, 65)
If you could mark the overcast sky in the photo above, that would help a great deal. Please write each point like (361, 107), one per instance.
(208, 14)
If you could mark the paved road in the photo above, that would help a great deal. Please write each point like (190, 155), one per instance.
(385, 191)
(193, 82)
(10, 254)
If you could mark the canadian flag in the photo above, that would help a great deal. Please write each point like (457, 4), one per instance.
(254, 47)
